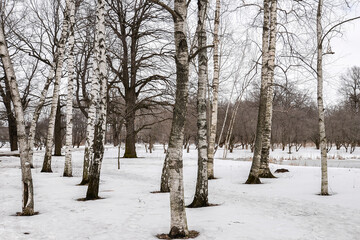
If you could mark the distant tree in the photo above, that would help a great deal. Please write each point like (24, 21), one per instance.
(350, 87)
(135, 60)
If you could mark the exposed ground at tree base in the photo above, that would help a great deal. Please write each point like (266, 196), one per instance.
(192, 234)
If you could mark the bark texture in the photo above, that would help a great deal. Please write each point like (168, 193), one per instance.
(179, 226)
(215, 93)
(264, 171)
(70, 92)
(324, 172)
(100, 126)
(27, 183)
(165, 176)
(36, 114)
(5, 94)
(201, 192)
(60, 52)
(267, 63)
(130, 149)
(57, 130)
(12, 131)
(90, 127)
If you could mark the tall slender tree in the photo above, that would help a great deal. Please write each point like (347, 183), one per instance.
(178, 227)
(201, 192)
(268, 65)
(264, 171)
(90, 127)
(36, 115)
(60, 53)
(320, 101)
(27, 183)
(70, 90)
(215, 93)
(100, 124)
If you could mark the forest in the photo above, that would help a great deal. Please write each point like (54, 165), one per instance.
(232, 116)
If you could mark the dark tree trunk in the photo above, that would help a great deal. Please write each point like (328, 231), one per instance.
(57, 131)
(12, 132)
(6, 97)
(116, 134)
(130, 141)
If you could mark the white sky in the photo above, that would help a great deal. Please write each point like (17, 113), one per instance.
(347, 54)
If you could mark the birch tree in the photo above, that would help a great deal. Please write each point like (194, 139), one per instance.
(27, 183)
(322, 34)
(320, 101)
(100, 124)
(90, 127)
(178, 226)
(59, 63)
(201, 192)
(70, 90)
(36, 115)
(215, 93)
(165, 176)
(264, 171)
(268, 64)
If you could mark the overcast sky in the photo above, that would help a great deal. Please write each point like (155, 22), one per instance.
(347, 54)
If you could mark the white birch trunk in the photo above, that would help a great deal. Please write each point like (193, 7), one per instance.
(231, 126)
(165, 176)
(201, 192)
(215, 93)
(265, 151)
(179, 226)
(225, 119)
(90, 127)
(36, 114)
(28, 190)
(254, 171)
(70, 90)
(60, 51)
(324, 175)
(100, 126)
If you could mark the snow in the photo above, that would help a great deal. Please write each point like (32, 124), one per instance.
(288, 207)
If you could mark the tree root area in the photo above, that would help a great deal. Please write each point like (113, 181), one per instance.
(266, 173)
(212, 178)
(253, 180)
(91, 199)
(20, 214)
(83, 183)
(156, 192)
(192, 205)
(192, 234)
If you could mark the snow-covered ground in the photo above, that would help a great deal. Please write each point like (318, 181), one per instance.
(304, 157)
(284, 208)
